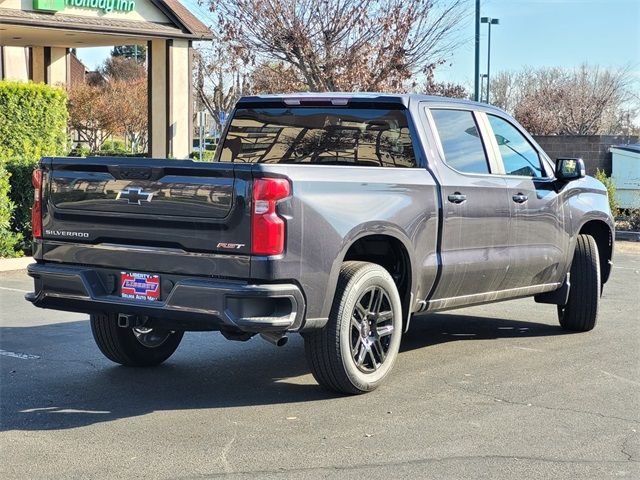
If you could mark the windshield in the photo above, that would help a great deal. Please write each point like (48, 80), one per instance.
(319, 135)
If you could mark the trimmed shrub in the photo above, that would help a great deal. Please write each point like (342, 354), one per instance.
(8, 238)
(114, 146)
(611, 191)
(79, 151)
(33, 120)
(634, 220)
(21, 196)
(33, 124)
(207, 155)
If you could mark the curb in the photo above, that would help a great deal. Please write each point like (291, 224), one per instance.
(628, 236)
(13, 264)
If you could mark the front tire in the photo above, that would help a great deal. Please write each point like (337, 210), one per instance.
(133, 347)
(358, 347)
(581, 311)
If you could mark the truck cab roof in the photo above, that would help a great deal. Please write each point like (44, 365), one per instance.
(347, 98)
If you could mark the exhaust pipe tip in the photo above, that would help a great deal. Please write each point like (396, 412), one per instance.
(277, 339)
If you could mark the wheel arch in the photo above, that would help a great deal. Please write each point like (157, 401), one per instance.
(603, 234)
(388, 248)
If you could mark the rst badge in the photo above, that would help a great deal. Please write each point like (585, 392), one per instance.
(230, 246)
(139, 286)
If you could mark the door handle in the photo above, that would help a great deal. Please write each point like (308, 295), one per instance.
(457, 197)
(520, 198)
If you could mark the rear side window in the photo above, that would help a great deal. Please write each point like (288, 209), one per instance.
(518, 156)
(461, 143)
(320, 135)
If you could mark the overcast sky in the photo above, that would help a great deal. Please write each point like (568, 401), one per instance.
(531, 32)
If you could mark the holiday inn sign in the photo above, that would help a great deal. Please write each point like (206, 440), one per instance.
(103, 5)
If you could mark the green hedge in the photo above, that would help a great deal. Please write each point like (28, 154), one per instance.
(114, 146)
(207, 155)
(611, 191)
(8, 238)
(33, 120)
(22, 197)
(33, 124)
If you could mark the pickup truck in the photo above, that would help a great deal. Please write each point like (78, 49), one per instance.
(336, 216)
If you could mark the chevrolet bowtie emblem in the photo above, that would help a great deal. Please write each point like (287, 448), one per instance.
(134, 195)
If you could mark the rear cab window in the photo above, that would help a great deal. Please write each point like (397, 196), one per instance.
(460, 139)
(327, 135)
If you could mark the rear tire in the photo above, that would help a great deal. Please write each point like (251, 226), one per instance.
(581, 311)
(358, 347)
(133, 347)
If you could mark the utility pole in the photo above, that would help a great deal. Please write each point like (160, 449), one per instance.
(476, 77)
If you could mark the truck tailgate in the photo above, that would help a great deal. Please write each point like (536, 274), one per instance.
(184, 205)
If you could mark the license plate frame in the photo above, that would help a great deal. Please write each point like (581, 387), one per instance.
(140, 286)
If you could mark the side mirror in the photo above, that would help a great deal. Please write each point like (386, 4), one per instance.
(568, 169)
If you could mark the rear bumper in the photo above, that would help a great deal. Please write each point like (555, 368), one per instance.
(191, 304)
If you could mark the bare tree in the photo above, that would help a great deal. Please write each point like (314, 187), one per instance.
(91, 115)
(220, 78)
(128, 101)
(123, 69)
(503, 94)
(343, 44)
(117, 105)
(276, 77)
(443, 89)
(587, 100)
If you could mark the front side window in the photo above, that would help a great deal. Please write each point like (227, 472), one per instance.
(319, 135)
(460, 138)
(518, 156)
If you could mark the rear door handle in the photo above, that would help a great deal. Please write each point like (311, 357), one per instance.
(520, 198)
(457, 197)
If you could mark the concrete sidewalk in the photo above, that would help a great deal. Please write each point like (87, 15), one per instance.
(11, 264)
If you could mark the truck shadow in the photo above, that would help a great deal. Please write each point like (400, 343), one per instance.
(71, 385)
(431, 329)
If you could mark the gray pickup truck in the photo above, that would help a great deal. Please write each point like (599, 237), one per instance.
(337, 216)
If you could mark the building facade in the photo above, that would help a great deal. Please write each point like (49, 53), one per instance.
(36, 37)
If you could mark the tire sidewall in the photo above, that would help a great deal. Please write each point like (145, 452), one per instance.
(369, 277)
(121, 346)
(586, 287)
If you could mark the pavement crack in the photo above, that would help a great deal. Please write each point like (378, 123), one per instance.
(222, 459)
(531, 405)
(624, 447)
(401, 463)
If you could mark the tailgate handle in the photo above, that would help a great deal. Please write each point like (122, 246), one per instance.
(130, 173)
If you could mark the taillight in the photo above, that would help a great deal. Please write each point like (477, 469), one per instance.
(36, 210)
(267, 228)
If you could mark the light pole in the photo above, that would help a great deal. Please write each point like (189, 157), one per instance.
(489, 21)
(476, 78)
(483, 85)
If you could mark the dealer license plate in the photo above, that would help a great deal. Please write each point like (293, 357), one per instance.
(139, 286)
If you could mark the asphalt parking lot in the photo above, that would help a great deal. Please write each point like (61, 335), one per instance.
(498, 391)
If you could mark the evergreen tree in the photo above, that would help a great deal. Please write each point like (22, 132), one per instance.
(135, 52)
